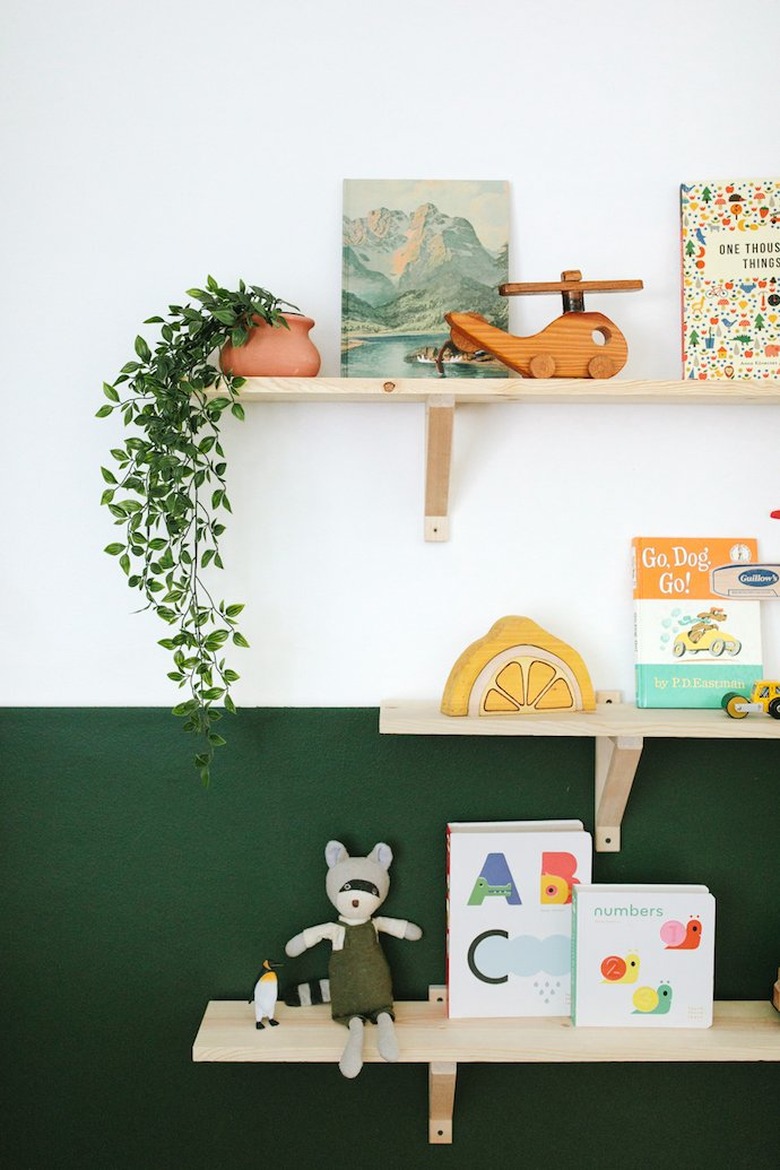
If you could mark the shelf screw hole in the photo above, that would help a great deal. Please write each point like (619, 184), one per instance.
(388, 387)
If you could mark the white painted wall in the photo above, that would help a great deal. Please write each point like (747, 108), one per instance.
(146, 143)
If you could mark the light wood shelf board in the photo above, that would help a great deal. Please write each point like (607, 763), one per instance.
(566, 391)
(742, 1031)
(423, 717)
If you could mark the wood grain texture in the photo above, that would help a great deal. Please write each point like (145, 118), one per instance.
(439, 418)
(576, 345)
(442, 1076)
(742, 1031)
(617, 759)
(423, 717)
(570, 391)
(572, 284)
(463, 691)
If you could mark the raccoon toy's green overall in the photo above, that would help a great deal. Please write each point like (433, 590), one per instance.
(360, 984)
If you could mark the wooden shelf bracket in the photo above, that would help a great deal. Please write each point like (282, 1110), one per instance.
(439, 420)
(741, 1031)
(618, 729)
(441, 1100)
(442, 1076)
(617, 758)
(440, 396)
(616, 761)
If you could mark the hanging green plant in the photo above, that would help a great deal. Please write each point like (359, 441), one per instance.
(169, 491)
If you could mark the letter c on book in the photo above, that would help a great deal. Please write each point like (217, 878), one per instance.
(472, 951)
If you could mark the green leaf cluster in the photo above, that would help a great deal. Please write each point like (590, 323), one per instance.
(167, 490)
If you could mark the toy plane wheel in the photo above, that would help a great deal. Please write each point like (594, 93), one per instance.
(734, 705)
(542, 365)
(601, 366)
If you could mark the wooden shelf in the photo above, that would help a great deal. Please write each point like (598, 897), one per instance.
(567, 391)
(423, 717)
(742, 1031)
(619, 730)
(441, 395)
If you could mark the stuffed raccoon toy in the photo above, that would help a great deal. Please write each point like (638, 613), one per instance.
(360, 987)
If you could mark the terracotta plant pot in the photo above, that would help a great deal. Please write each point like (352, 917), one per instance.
(273, 351)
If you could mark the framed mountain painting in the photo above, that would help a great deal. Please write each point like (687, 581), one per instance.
(412, 251)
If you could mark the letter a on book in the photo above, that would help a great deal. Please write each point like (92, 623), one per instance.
(495, 881)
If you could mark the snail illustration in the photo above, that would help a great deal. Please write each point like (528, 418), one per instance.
(678, 937)
(648, 1001)
(618, 970)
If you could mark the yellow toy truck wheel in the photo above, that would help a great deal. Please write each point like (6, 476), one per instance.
(729, 704)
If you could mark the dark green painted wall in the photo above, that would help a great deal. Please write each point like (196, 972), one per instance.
(131, 896)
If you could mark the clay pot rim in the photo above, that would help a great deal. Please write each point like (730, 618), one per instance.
(259, 321)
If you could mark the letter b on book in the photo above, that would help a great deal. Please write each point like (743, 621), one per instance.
(559, 875)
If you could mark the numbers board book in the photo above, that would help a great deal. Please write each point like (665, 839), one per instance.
(691, 644)
(509, 892)
(730, 234)
(643, 956)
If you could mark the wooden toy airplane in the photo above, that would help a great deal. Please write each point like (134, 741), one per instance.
(575, 345)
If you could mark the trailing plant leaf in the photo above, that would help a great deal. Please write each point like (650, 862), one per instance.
(171, 475)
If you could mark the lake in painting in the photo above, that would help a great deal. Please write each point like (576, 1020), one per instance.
(383, 356)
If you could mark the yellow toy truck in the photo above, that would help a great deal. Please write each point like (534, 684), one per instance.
(764, 698)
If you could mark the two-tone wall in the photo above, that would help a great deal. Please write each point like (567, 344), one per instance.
(144, 146)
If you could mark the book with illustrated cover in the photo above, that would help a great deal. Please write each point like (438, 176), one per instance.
(692, 645)
(730, 237)
(643, 956)
(413, 250)
(509, 897)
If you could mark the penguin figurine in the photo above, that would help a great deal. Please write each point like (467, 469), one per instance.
(265, 994)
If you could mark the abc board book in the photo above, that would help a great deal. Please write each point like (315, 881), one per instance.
(509, 891)
(730, 233)
(691, 644)
(643, 956)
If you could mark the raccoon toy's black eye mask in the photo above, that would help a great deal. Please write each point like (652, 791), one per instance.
(359, 884)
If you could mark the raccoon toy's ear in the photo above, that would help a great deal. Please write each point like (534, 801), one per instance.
(382, 854)
(334, 853)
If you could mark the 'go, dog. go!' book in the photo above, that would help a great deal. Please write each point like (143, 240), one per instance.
(692, 645)
(509, 899)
